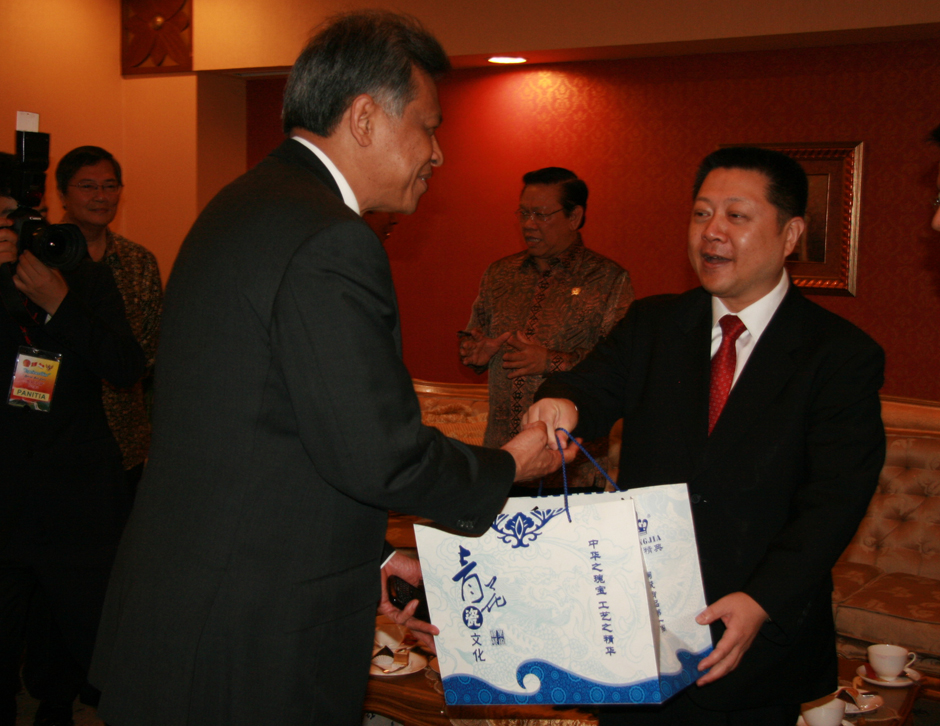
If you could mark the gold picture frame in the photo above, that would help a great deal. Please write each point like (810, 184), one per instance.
(826, 258)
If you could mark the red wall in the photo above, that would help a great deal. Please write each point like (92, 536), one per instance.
(635, 131)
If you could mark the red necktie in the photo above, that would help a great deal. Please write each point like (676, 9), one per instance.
(723, 367)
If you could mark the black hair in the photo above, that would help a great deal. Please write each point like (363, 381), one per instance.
(69, 164)
(573, 191)
(787, 186)
(367, 51)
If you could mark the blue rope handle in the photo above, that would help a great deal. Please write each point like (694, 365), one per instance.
(564, 472)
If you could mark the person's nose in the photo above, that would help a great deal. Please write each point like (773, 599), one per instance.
(437, 156)
(715, 228)
(529, 223)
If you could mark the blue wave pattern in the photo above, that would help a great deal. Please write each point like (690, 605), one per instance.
(561, 687)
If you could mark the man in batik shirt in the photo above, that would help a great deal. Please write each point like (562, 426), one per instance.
(89, 183)
(542, 310)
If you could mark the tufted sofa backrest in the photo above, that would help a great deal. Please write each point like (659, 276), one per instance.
(458, 410)
(901, 529)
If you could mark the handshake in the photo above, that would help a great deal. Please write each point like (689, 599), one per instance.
(536, 454)
(535, 449)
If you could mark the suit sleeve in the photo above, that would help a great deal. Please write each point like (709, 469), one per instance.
(335, 336)
(845, 450)
(602, 383)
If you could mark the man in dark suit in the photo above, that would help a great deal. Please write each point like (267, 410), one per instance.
(780, 470)
(285, 422)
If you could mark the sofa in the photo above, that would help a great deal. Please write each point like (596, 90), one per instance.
(887, 582)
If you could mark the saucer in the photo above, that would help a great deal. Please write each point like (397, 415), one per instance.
(867, 702)
(416, 662)
(909, 678)
(802, 722)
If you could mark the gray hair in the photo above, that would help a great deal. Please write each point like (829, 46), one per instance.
(367, 51)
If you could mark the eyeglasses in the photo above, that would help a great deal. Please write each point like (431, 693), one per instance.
(523, 215)
(92, 188)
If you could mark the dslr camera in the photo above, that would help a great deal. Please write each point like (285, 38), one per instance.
(61, 246)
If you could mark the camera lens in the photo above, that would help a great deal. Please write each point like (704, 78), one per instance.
(59, 245)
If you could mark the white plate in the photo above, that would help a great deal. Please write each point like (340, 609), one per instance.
(909, 678)
(867, 702)
(801, 722)
(416, 662)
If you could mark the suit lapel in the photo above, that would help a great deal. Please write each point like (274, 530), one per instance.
(691, 358)
(767, 371)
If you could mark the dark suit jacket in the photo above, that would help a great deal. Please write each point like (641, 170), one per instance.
(285, 426)
(779, 487)
(64, 499)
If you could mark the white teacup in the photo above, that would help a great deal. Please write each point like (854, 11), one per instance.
(826, 711)
(889, 660)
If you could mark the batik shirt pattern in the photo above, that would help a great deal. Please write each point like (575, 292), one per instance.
(566, 308)
(137, 276)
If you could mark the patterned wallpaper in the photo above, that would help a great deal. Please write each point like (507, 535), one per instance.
(635, 130)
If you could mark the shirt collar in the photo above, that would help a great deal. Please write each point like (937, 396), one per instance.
(349, 198)
(756, 316)
(567, 259)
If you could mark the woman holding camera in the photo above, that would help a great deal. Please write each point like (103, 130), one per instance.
(61, 477)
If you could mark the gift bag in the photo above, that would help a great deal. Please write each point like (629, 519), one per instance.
(596, 610)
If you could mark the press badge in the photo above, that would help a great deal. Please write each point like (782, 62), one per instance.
(34, 378)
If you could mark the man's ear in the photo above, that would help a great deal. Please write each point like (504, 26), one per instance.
(363, 112)
(794, 230)
(574, 219)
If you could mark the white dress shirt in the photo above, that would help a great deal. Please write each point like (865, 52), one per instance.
(349, 198)
(755, 317)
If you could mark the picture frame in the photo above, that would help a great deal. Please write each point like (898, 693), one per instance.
(826, 258)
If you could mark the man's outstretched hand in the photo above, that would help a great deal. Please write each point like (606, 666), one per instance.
(532, 451)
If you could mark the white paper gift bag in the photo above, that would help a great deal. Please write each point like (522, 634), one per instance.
(598, 610)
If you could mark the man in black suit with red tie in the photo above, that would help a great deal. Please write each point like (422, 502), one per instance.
(767, 406)
(285, 423)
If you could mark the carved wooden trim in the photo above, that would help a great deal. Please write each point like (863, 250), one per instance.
(156, 36)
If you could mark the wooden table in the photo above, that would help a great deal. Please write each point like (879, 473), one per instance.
(417, 699)
(899, 701)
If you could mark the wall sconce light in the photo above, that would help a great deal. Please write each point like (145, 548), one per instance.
(506, 59)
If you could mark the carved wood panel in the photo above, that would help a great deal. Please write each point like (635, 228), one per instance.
(156, 36)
